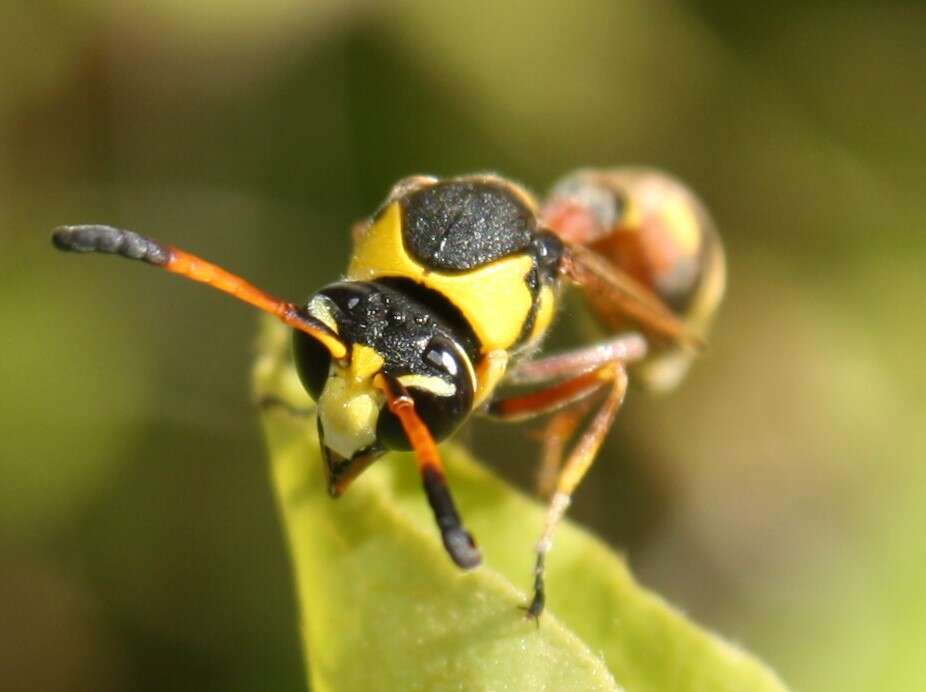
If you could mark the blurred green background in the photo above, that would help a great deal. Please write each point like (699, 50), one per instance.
(779, 497)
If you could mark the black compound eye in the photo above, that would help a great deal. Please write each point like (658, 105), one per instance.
(442, 392)
(389, 432)
(313, 363)
(443, 355)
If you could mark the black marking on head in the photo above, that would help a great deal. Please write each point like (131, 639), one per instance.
(413, 339)
(458, 225)
(442, 308)
(441, 414)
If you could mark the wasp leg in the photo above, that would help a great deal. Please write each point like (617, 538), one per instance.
(557, 432)
(457, 540)
(552, 398)
(131, 245)
(577, 465)
(570, 400)
(625, 348)
(574, 393)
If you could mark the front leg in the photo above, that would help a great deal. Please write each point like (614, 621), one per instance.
(458, 542)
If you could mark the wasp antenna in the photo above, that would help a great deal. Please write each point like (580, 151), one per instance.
(131, 245)
(111, 241)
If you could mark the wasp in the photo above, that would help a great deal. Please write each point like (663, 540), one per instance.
(450, 290)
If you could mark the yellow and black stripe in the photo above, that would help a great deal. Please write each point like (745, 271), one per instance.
(474, 242)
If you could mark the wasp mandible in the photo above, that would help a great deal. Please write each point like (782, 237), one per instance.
(452, 286)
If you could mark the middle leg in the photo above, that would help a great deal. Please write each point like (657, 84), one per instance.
(555, 435)
(571, 399)
(573, 471)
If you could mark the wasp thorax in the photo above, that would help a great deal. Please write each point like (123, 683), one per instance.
(384, 334)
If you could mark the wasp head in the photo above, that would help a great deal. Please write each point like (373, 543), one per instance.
(385, 333)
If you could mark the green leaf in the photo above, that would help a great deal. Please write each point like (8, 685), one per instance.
(384, 608)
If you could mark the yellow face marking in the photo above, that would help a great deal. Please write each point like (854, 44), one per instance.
(494, 299)
(348, 415)
(349, 406)
(319, 309)
(335, 347)
(429, 383)
(491, 371)
(364, 363)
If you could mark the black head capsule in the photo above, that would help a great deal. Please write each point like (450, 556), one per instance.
(384, 334)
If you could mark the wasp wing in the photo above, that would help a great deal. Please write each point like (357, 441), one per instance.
(615, 292)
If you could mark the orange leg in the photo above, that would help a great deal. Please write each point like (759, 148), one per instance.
(457, 540)
(553, 397)
(592, 363)
(556, 433)
(577, 465)
(132, 245)
(570, 400)
(611, 374)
